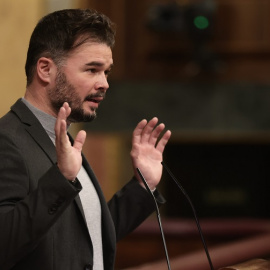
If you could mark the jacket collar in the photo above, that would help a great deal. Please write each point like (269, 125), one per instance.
(35, 129)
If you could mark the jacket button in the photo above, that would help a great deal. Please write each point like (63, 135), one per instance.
(88, 267)
(53, 208)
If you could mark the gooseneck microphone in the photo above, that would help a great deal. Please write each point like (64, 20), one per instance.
(194, 213)
(158, 217)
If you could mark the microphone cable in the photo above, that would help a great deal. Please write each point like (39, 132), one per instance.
(158, 217)
(194, 212)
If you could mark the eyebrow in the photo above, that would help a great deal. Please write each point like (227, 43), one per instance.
(97, 64)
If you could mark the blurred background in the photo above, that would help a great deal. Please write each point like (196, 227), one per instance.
(203, 68)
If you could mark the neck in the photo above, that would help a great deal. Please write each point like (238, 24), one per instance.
(39, 100)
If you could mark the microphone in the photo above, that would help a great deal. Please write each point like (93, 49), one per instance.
(194, 213)
(158, 217)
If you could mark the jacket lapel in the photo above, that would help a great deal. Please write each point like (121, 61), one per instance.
(35, 129)
(37, 132)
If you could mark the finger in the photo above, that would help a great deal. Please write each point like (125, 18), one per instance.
(148, 129)
(63, 114)
(136, 138)
(163, 141)
(59, 119)
(156, 133)
(67, 108)
(79, 140)
(62, 141)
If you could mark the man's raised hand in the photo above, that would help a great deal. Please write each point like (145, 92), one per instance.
(147, 150)
(69, 158)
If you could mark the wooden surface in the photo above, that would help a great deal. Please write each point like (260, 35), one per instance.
(255, 264)
(227, 254)
(229, 242)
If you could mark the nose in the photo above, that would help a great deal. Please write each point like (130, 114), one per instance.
(102, 83)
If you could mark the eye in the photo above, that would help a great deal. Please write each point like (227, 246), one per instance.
(107, 72)
(92, 70)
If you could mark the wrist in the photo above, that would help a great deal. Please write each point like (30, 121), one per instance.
(152, 189)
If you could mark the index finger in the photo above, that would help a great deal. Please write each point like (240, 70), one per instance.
(136, 138)
(62, 116)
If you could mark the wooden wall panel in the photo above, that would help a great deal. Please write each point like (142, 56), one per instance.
(242, 26)
(16, 24)
(240, 43)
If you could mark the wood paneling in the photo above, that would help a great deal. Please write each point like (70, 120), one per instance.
(240, 44)
(17, 21)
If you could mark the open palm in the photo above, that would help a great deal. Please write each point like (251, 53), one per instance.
(147, 150)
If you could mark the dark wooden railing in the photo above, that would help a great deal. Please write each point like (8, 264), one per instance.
(230, 242)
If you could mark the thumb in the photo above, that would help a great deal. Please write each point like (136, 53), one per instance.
(79, 140)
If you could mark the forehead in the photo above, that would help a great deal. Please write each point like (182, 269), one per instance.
(89, 52)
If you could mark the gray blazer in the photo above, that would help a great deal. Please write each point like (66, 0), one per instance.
(41, 217)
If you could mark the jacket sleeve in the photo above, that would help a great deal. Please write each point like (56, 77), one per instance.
(130, 206)
(27, 213)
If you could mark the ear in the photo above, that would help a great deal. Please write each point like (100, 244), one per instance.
(46, 69)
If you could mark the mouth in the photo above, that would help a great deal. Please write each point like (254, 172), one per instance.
(94, 100)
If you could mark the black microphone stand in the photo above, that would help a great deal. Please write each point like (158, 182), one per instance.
(158, 217)
(194, 212)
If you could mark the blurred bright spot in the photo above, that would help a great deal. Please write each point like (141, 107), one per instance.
(201, 22)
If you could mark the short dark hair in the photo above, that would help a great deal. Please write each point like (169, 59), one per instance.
(57, 33)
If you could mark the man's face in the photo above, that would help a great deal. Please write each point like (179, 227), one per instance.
(82, 81)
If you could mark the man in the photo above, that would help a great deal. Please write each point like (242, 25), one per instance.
(53, 214)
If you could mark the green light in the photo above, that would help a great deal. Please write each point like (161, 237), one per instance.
(201, 22)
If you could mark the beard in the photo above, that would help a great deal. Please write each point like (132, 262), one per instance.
(66, 92)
